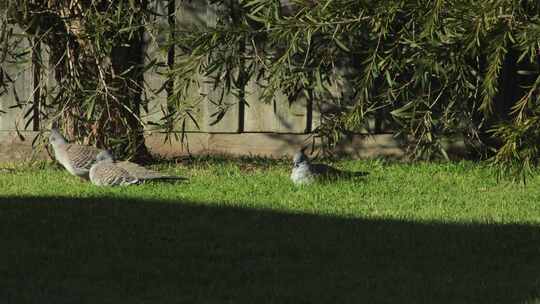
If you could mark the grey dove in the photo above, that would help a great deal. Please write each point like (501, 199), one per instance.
(108, 172)
(77, 159)
(304, 172)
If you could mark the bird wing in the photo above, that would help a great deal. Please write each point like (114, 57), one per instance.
(322, 169)
(331, 172)
(143, 173)
(81, 157)
(109, 174)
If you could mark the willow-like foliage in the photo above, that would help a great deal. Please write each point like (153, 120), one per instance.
(88, 61)
(431, 71)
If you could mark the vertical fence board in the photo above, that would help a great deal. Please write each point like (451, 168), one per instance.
(215, 100)
(289, 117)
(49, 84)
(20, 92)
(189, 15)
(153, 80)
(259, 115)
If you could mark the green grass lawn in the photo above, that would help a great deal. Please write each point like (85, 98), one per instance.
(241, 232)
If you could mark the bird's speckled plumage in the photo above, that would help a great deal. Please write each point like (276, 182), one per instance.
(141, 172)
(77, 159)
(107, 172)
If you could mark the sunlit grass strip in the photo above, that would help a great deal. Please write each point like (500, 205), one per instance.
(447, 192)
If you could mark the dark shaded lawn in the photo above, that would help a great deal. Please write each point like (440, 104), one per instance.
(107, 250)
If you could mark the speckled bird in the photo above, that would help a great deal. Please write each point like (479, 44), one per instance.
(108, 172)
(77, 159)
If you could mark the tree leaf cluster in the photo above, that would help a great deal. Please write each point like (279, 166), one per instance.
(428, 71)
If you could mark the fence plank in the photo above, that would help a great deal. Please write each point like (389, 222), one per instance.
(259, 115)
(153, 80)
(218, 105)
(189, 15)
(277, 116)
(20, 92)
(289, 117)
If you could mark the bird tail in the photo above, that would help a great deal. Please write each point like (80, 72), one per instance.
(165, 178)
(143, 173)
(359, 173)
(352, 174)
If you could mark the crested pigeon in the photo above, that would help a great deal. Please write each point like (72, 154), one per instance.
(304, 172)
(108, 172)
(77, 159)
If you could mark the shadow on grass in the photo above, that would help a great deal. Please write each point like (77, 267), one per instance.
(106, 250)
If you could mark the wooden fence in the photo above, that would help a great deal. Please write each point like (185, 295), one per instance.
(276, 123)
(255, 116)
